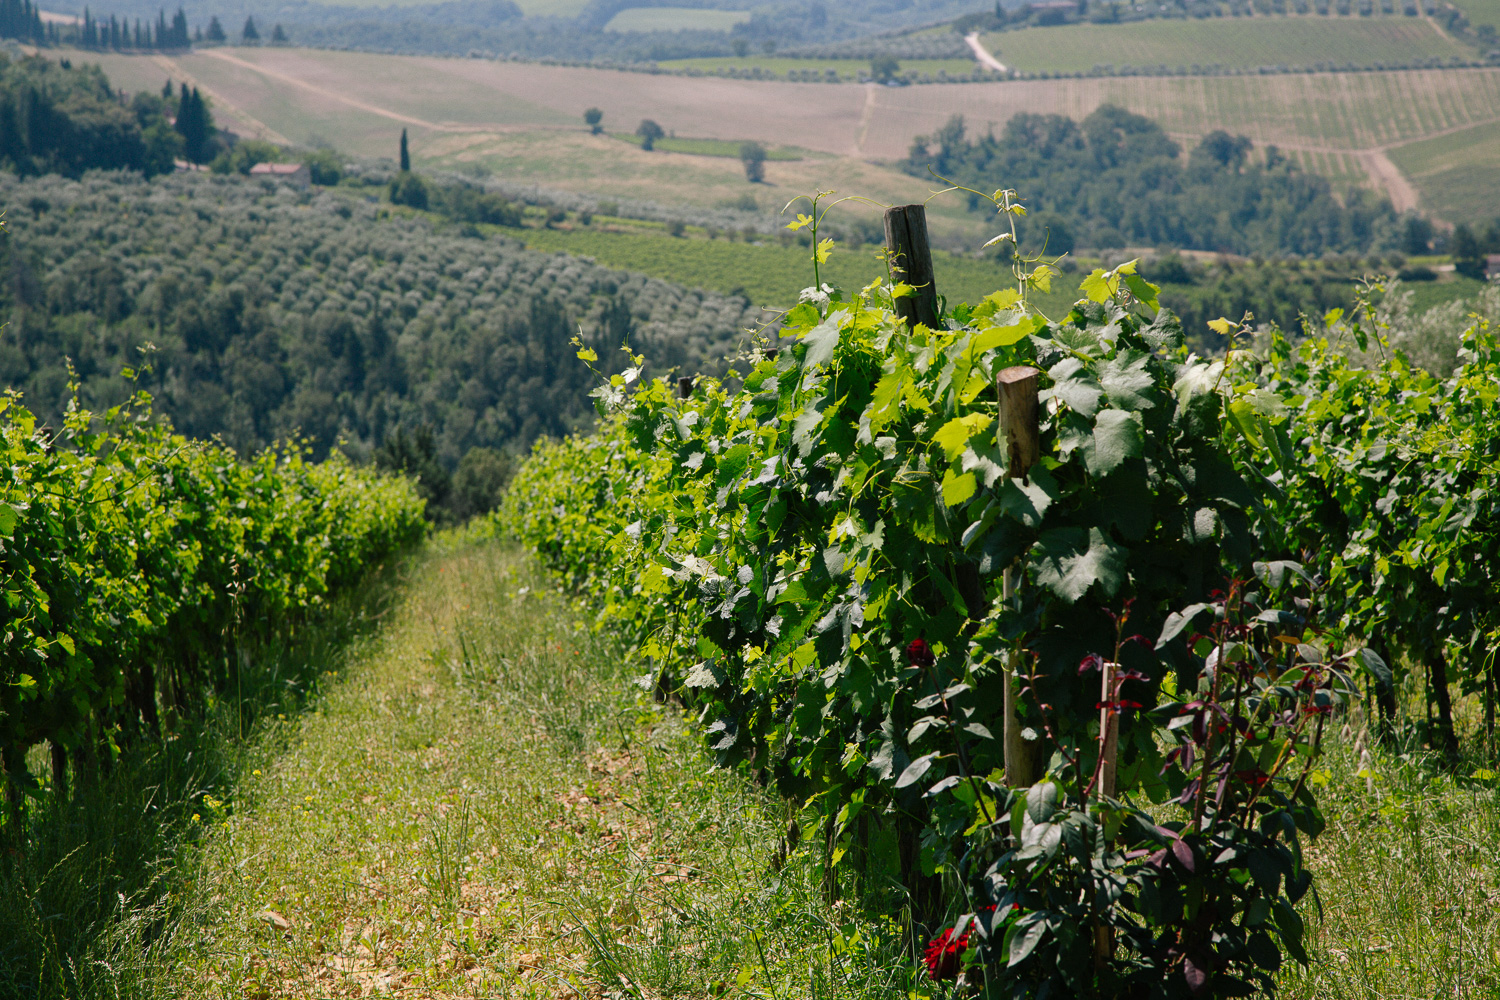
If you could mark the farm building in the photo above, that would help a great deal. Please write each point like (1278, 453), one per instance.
(296, 174)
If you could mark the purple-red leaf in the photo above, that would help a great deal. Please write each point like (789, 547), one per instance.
(1195, 974)
(1184, 855)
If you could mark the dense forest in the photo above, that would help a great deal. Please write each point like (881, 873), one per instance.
(1117, 179)
(56, 118)
(261, 312)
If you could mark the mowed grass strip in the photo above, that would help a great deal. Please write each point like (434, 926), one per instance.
(1231, 43)
(488, 805)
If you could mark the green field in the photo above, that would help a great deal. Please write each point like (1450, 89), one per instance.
(1232, 43)
(707, 147)
(1481, 11)
(1458, 174)
(675, 19)
(846, 69)
(767, 272)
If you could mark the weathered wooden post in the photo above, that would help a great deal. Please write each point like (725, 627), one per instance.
(911, 262)
(685, 386)
(1021, 439)
(1109, 728)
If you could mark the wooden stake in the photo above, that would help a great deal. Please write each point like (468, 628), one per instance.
(911, 262)
(1021, 438)
(1109, 728)
(1020, 432)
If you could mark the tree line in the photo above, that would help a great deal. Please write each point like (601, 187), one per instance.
(1116, 179)
(58, 118)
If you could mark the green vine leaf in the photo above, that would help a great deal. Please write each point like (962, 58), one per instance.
(1071, 560)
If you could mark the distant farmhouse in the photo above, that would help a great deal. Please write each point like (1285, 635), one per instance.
(295, 174)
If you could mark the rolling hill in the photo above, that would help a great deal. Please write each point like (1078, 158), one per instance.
(523, 119)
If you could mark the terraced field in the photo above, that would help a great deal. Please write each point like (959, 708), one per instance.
(524, 119)
(1233, 43)
(1460, 171)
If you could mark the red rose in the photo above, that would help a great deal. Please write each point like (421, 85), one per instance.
(919, 654)
(942, 954)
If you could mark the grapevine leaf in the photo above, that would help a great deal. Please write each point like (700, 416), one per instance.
(1143, 290)
(706, 674)
(1003, 336)
(1118, 436)
(1071, 560)
(1027, 500)
(820, 341)
(1097, 286)
(959, 488)
(1127, 379)
(996, 302)
(954, 435)
(1074, 385)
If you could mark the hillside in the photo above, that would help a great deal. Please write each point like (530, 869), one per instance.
(1228, 43)
(260, 312)
(523, 120)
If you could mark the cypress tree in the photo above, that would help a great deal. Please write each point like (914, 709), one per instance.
(249, 35)
(215, 30)
(194, 125)
(405, 154)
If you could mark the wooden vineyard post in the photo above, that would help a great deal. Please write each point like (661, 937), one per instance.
(1021, 439)
(1109, 728)
(911, 262)
(685, 386)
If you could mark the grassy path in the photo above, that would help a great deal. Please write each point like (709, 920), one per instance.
(486, 805)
